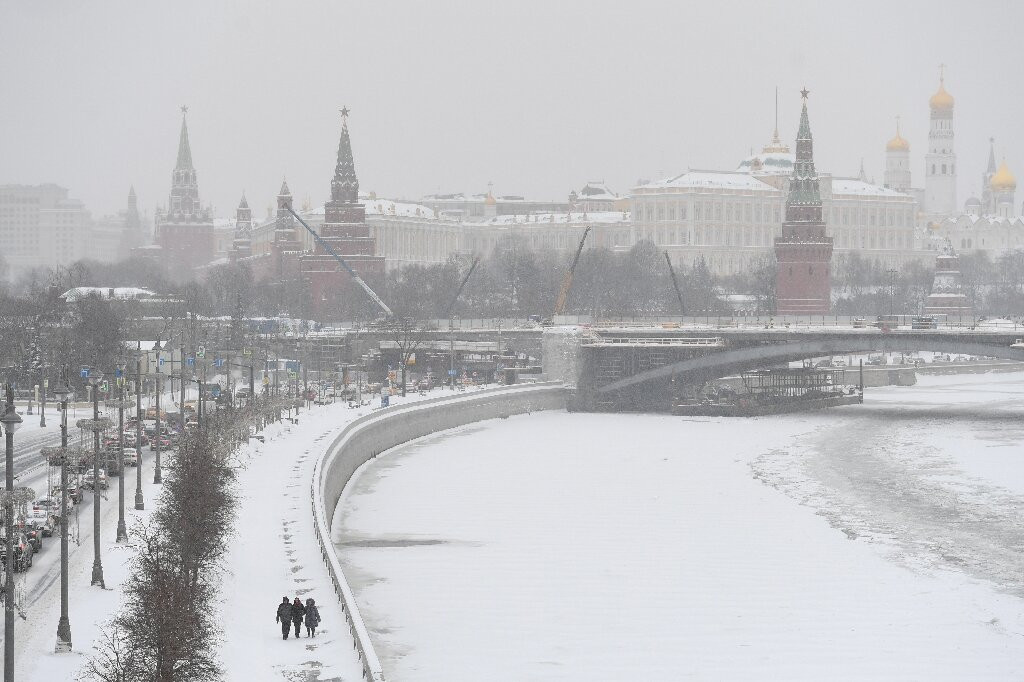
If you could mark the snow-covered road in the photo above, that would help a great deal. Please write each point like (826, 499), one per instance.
(868, 542)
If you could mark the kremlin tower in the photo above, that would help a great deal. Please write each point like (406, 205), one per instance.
(803, 251)
(184, 231)
(331, 289)
(241, 247)
(940, 162)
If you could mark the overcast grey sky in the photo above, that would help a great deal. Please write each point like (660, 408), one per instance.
(536, 96)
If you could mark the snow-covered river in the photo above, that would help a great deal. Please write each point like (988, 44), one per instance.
(881, 541)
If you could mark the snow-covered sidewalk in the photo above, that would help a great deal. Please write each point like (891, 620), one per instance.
(275, 553)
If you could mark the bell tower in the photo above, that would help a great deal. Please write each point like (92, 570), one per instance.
(940, 162)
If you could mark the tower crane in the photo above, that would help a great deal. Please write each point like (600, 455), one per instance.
(563, 293)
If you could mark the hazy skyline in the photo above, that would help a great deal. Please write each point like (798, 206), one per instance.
(536, 97)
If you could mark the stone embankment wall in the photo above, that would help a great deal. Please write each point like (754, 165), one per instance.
(368, 436)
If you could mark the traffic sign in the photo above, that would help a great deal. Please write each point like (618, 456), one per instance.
(201, 352)
(451, 372)
(218, 362)
(160, 361)
(105, 386)
(266, 380)
(190, 362)
(118, 372)
(247, 351)
(85, 373)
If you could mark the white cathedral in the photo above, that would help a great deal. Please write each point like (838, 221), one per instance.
(990, 223)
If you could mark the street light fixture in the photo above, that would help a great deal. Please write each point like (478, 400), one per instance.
(63, 394)
(157, 472)
(97, 564)
(11, 422)
(120, 404)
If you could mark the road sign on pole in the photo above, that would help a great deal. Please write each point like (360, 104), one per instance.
(85, 373)
(201, 352)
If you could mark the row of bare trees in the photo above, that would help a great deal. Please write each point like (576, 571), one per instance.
(166, 630)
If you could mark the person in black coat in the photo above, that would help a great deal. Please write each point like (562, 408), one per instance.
(298, 612)
(312, 617)
(284, 617)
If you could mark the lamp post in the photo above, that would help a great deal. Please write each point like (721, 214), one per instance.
(140, 502)
(11, 422)
(96, 426)
(63, 394)
(157, 473)
(120, 404)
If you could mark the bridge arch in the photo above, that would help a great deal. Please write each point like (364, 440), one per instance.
(722, 363)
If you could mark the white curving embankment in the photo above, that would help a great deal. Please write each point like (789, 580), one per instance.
(368, 436)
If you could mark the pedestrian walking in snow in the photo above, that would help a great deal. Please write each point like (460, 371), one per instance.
(312, 617)
(298, 613)
(284, 617)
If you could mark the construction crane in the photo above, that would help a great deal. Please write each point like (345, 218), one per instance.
(675, 285)
(448, 310)
(358, 280)
(567, 282)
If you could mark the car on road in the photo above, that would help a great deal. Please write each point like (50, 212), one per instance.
(22, 551)
(131, 457)
(88, 481)
(51, 505)
(74, 493)
(165, 442)
(40, 519)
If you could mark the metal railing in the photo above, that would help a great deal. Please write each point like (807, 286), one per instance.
(368, 658)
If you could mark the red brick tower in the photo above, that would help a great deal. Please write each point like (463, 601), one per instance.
(803, 251)
(185, 231)
(332, 290)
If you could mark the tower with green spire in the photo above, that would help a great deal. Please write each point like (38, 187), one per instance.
(803, 251)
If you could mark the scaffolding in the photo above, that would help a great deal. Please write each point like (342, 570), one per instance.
(795, 382)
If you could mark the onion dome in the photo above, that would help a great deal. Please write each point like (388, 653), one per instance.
(898, 143)
(972, 202)
(941, 100)
(1003, 180)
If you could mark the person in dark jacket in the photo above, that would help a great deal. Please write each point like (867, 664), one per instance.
(312, 617)
(298, 612)
(284, 617)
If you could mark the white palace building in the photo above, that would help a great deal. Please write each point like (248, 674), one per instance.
(727, 218)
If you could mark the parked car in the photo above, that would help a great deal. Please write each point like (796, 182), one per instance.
(165, 442)
(131, 457)
(42, 520)
(89, 482)
(22, 551)
(74, 492)
(51, 505)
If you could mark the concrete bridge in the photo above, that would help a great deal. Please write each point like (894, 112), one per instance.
(642, 368)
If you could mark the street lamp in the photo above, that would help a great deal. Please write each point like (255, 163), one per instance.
(11, 422)
(157, 473)
(97, 564)
(140, 502)
(63, 394)
(120, 404)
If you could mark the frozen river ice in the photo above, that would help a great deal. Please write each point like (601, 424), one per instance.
(876, 541)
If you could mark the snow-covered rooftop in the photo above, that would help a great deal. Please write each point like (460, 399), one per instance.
(849, 186)
(769, 163)
(711, 180)
(597, 191)
(107, 293)
(603, 217)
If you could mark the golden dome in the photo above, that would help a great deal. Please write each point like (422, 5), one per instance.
(1003, 180)
(897, 144)
(941, 100)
